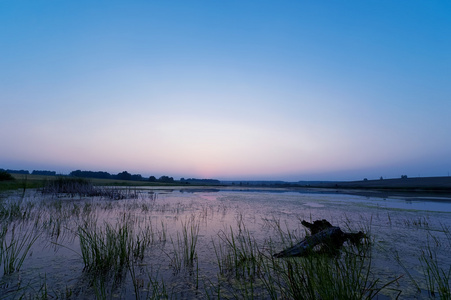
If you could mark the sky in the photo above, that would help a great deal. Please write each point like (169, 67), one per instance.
(262, 90)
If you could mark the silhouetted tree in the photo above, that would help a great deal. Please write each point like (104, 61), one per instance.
(136, 177)
(152, 179)
(166, 179)
(26, 172)
(91, 174)
(124, 176)
(47, 173)
(5, 175)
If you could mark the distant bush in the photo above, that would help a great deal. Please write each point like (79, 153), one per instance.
(5, 176)
(166, 179)
(25, 172)
(43, 172)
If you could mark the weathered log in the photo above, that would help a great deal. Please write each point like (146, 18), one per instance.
(331, 239)
(317, 226)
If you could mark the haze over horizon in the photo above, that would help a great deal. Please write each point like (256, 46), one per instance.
(242, 90)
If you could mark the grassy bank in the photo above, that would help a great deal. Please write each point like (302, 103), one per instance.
(36, 181)
(428, 184)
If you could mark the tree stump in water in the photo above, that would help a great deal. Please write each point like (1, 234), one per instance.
(330, 238)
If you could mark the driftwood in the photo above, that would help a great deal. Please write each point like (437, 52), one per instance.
(329, 238)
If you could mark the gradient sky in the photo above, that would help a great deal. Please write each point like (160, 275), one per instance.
(280, 90)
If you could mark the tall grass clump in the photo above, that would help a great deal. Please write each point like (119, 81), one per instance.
(185, 246)
(252, 271)
(190, 232)
(110, 248)
(320, 276)
(10, 210)
(74, 186)
(69, 186)
(14, 251)
(105, 250)
(437, 274)
(436, 271)
(238, 254)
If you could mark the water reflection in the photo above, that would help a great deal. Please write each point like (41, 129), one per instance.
(398, 224)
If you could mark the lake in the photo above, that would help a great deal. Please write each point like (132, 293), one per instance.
(185, 243)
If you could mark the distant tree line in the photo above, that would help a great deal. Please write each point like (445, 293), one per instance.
(200, 181)
(105, 175)
(48, 173)
(124, 175)
(120, 176)
(34, 172)
(26, 172)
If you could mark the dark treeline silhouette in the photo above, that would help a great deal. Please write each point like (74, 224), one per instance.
(43, 172)
(165, 179)
(34, 172)
(105, 175)
(124, 175)
(200, 181)
(91, 174)
(26, 172)
(120, 176)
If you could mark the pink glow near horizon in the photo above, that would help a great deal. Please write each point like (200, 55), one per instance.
(227, 90)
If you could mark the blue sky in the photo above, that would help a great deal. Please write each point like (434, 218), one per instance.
(289, 90)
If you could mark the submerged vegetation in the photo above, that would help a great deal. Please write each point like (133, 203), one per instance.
(181, 246)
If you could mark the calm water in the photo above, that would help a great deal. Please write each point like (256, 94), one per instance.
(401, 227)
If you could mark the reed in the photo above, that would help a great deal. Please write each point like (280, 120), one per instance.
(239, 253)
(105, 250)
(258, 274)
(436, 274)
(190, 231)
(116, 260)
(64, 186)
(14, 252)
(12, 210)
(176, 260)
(156, 288)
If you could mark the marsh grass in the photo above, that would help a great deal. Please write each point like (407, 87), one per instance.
(184, 247)
(108, 249)
(10, 210)
(14, 251)
(237, 254)
(64, 186)
(190, 232)
(121, 243)
(437, 275)
(251, 271)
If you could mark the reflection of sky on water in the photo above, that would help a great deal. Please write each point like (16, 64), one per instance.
(411, 202)
(415, 204)
(435, 204)
(396, 225)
